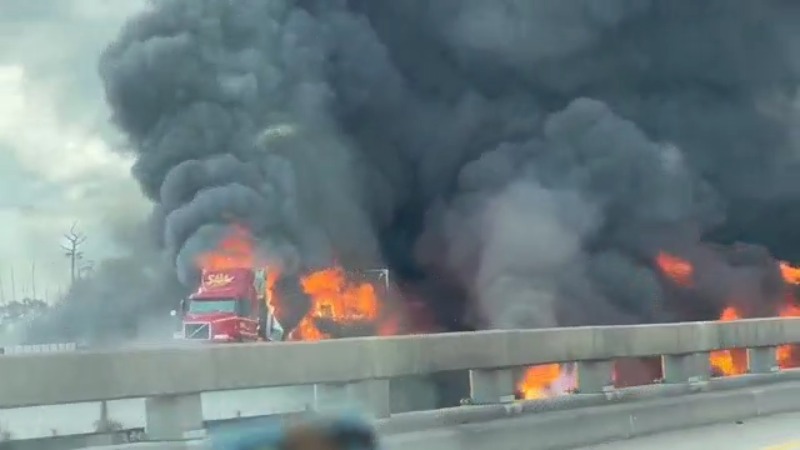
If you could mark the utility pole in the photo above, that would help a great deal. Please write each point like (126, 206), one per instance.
(33, 281)
(13, 286)
(74, 240)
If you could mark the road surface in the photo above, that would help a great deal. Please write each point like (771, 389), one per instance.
(780, 432)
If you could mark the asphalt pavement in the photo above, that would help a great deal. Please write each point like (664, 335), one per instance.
(779, 432)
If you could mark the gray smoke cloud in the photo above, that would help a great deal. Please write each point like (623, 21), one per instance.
(126, 300)
(528, 159)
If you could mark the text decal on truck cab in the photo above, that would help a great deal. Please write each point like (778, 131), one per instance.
(218, 280)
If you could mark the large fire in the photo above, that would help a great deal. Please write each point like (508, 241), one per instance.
(337, 303)
(734, 361)
(235, 251)
(554, 379)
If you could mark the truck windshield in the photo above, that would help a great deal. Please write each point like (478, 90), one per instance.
(227, 305)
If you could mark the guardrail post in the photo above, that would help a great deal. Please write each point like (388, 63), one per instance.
(683, 368)
(492, 386)
(172, 417)
(594, 376)
(762, 359)
(374, 395)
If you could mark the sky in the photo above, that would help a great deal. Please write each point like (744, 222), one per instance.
(62, 162)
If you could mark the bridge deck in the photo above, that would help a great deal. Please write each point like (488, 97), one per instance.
(779, 432)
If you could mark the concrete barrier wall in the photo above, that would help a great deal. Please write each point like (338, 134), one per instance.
(561, 430)
(54, 378)
(214, 410)
(129, 414)
(595, 425)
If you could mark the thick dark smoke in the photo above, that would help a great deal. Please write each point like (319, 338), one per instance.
(516, 163)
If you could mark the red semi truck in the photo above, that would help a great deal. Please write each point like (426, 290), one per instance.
(229, 306)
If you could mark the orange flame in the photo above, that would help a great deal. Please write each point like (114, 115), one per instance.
(335, 298)
(678, 270)
(730, 361)
(789, 355)
(539, 381)
(734, 361)
(791, 275)
(235, 251)
(547, 380)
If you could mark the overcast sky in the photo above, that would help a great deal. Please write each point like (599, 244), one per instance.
(57, 158)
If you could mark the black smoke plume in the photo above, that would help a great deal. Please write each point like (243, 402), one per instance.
(516, 163)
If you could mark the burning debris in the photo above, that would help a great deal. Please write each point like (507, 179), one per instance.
(734, 361)
(676, 269)
(342, 307)
(555, 379)
(547, 380)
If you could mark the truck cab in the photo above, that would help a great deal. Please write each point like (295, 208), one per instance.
(229, 306)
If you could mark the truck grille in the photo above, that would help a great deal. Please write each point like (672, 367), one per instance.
(196, 331)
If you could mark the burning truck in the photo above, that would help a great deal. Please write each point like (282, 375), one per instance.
(230, 305)
(241, 298)
(238, 305)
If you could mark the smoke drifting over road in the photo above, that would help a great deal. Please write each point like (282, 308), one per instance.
(125, 301)
(515, 162)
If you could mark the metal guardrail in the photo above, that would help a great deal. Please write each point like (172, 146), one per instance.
(360, 369)
(39, 348)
